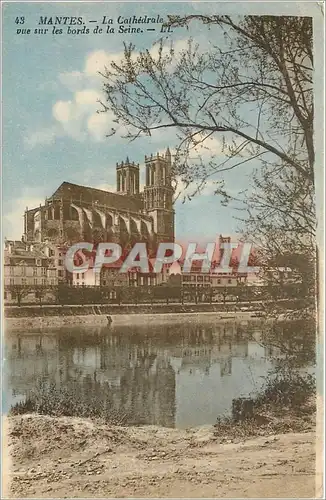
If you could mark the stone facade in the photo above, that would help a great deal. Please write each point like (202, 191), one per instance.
(78, 213)
(27, 270)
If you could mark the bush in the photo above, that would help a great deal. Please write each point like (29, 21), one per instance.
(286, 404)
(48, 399)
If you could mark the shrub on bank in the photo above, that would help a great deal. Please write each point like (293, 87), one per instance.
(287, 403)
(48, 399)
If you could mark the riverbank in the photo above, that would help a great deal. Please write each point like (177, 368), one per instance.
(36, 317)
(55, 457)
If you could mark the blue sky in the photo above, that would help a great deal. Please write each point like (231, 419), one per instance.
(51, 132)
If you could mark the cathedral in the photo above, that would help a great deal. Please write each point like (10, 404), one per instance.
(78, 213)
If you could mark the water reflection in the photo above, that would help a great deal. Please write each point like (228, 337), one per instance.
(172, 375)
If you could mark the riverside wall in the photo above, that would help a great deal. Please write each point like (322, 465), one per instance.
(36, 317)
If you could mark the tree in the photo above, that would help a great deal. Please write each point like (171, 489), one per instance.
(19, 292)
(253, 91)
(265, 61)
(40, 292)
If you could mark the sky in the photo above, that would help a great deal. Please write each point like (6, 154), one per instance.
(51, 129)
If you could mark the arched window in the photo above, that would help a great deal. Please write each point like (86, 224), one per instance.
(97, 221)
(123, 181)
(57, 212)
(74, 214)
(109, 222)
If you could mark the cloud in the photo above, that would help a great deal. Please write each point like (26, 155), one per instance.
(98, 125)
(73, 80)
(97, 61)
(13, 220)
(209, 149)
(78, 117)
(13, 216)
(44, 136)
(203, 189)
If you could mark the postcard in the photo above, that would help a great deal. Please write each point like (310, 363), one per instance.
(162, 249)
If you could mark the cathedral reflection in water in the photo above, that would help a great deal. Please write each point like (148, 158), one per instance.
(171, 375)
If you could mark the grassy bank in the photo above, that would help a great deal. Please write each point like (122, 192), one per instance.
(286, 404)
(61, 445)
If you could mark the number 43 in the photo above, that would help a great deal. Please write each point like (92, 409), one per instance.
(20, 20)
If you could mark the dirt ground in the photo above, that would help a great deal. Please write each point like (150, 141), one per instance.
(70, 457)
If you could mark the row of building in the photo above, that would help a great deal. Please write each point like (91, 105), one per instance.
(42, 265)
(79, 213)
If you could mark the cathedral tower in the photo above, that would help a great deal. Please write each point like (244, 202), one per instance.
(158, 194)
(128, 178)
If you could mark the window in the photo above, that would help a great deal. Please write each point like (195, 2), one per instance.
(35, 281)
(38, 262)
(24, 281)
(11, 270)
(60, 272)
(43, 281)
(229, 281)
(219, 281)
(60, 262)
(77, 276)
(12, 281)
(34, 271)
(43, 271)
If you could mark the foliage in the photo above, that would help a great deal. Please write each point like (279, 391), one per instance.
(288, 389)
(18, 292)
(252, 94)
(287, 403)
(263, 61)
(40, 292)
(48, 399)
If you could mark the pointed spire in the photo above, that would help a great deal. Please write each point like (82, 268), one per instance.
(168, 153)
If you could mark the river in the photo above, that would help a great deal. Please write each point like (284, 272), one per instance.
(172, 375)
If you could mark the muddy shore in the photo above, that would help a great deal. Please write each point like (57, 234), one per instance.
(57, 457)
